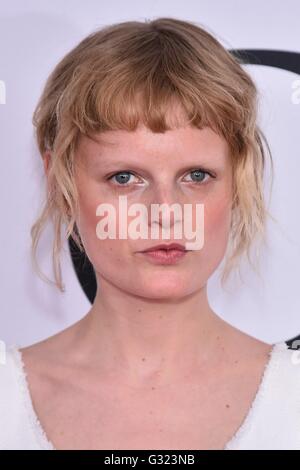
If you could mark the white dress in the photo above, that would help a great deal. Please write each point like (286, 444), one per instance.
(272, 421)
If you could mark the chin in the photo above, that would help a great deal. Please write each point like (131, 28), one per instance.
(164, 287)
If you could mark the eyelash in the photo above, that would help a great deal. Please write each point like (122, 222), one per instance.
(130, 172)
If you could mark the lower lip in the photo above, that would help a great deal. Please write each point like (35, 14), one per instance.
(165, 256)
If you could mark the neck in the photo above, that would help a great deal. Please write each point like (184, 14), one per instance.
(144, 340)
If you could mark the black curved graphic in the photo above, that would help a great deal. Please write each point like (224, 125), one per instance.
(84, 271)
(286, 60)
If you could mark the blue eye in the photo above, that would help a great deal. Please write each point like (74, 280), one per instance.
(122, 177)
(199, 175)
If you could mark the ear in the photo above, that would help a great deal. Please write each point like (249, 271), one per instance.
(46, 160)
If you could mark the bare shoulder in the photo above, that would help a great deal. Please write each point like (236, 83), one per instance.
(242, 347)
(51, 358)
(252, 355)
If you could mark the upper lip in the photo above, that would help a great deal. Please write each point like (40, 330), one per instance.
(170, 246)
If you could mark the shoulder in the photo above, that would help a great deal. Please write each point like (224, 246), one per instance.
(285, 380)
(12, 411)
(9, 378)
(285, 367)
(277, 417)
(278, 395)
(19, 429)
(281, 382)
(273, 422)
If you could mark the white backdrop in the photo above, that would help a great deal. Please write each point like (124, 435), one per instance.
(34, 35)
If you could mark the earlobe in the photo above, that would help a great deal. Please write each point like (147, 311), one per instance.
(46, 160)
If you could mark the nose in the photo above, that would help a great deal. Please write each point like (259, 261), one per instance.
(165, 205)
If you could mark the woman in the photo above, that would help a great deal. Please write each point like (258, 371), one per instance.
(157, 112)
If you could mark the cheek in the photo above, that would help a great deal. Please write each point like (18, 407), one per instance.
(99, 251)
(90, 197)
(87, 219)
(103, 254)
(217, 221)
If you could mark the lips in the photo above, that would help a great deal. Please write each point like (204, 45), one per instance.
(163, 257)
(167, 247)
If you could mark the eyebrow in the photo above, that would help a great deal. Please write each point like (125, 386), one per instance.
(114, 164)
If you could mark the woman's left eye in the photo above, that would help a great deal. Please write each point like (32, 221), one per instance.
(198, 176)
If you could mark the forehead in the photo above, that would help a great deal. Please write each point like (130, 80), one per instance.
(183, 143)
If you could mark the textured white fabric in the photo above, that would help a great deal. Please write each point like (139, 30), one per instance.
(272, 422)
(20, 428)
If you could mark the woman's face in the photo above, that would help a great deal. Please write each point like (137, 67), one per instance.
(149, 168)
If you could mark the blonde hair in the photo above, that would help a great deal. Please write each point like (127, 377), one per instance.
(130, 73)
